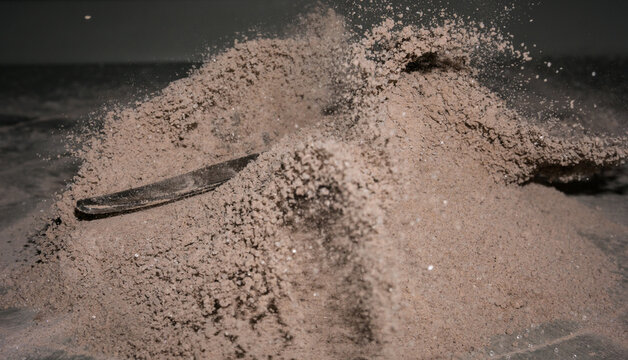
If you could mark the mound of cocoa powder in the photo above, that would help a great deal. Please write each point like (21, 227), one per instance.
(386, 218)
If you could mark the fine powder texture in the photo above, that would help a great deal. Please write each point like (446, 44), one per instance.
(387, 216)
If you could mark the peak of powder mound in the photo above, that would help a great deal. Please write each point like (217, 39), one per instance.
(436, 68)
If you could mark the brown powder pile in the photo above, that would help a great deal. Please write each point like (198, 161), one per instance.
(385, 219)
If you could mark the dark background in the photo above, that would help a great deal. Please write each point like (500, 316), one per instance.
(182, 31)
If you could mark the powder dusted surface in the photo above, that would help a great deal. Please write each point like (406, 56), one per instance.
(385, 219)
